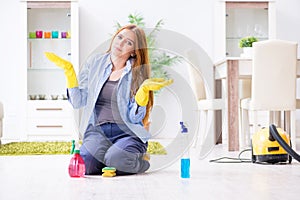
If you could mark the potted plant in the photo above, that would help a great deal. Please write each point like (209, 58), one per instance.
(246, 44)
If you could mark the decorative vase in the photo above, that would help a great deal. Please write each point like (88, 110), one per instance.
(247, 52)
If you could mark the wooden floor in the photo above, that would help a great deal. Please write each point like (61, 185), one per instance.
(46, 177)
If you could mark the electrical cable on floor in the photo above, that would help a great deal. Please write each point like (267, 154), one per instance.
(233, 160)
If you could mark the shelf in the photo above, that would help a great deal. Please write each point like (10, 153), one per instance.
(238, 38)
(245, 19)
(49, 117)
(43, 68)
(47, 39)
(50, 102)
(254, 5)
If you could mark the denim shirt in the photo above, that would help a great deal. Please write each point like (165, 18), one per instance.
(91, 80)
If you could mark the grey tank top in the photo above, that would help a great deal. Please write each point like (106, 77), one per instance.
(106, 104)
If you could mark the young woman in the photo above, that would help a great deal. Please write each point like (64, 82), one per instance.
(116, 93)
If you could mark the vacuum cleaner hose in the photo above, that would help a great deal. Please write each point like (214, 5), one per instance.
(284, 145)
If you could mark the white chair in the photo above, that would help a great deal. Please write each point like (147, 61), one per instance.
(273, 87)
(208, 134)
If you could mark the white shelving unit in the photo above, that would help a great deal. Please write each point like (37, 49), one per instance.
(245, 19)
(49, 118)
(235, 19)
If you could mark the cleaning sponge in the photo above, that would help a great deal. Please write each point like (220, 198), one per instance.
(109, 172)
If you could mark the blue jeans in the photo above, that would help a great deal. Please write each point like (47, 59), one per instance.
(113, 145)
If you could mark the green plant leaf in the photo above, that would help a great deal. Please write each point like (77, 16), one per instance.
(247, 41)
(136, 19)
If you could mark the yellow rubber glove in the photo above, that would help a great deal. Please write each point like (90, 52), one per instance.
(66, 66)
(152, 84)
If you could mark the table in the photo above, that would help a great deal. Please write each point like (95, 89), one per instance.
(232, 69)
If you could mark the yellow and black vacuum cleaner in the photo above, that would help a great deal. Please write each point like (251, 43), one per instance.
(272, 145)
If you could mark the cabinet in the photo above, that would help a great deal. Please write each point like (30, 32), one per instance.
(51, 26)
(245, 19)
(236, 19)
(51, 120)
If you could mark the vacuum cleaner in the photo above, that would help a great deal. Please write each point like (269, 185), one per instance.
(272, 145)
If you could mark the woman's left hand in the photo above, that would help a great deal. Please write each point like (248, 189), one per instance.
(151, 84)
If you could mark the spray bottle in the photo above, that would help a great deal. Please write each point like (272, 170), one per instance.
(185, 159)
(76, 165)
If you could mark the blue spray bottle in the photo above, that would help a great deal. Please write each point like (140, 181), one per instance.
(185, 159)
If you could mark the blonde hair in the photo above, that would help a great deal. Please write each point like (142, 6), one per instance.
(141, 69)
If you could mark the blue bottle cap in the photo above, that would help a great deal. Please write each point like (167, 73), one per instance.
(183, 128)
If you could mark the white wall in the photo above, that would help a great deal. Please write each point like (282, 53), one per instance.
(10, 51)
(193, 18)
(288, 20)
(288, 28)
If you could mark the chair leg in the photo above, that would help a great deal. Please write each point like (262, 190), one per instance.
(290, 126)
(275, 118)
(244, 127)
(225, 125)
(293, 129)
(206, 135)
(202, 129)
(255, 123)
(287, 121)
